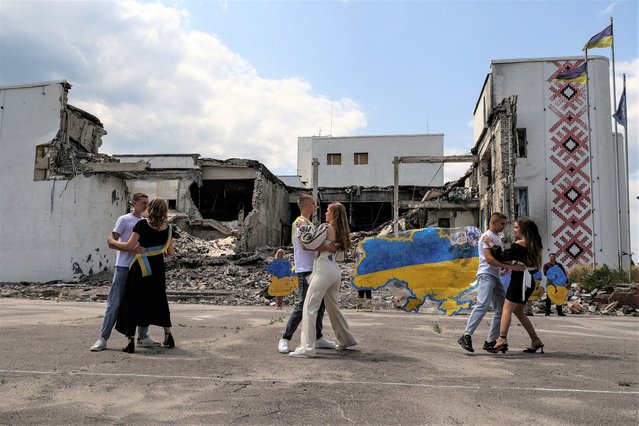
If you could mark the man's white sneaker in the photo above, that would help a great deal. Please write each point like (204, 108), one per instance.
(323, 343)
(282, 346)
(296, 354)
(147, 342)
(99, 345)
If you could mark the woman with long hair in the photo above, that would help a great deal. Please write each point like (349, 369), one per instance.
(144, 301)
(325, 281)
(527, 249)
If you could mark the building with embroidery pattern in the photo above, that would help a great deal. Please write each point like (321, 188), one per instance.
(536, 158)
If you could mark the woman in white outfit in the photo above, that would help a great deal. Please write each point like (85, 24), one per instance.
(325, 281)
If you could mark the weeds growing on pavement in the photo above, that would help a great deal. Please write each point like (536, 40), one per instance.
(274, 320)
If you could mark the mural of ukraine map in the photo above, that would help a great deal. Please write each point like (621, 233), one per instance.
(431, 263)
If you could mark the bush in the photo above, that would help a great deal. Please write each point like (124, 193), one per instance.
(601, 277)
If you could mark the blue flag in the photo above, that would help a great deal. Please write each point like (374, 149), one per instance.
(621, 116)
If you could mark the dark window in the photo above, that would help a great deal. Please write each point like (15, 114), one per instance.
(333, 159)
(443, 222)
(361, 158)
(172, 204)
(521, 143)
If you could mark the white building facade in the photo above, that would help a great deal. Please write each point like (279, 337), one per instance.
(54, 223)
(368, 160)
(566, 177)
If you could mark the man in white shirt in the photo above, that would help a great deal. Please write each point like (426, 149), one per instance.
(303, 267)
(122, 231)
(489, 287)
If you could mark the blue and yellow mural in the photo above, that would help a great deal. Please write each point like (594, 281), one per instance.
(283, 279)
(431, 263)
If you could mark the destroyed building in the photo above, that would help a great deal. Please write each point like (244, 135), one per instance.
(359, 172)
(218, 198)
(535, 158)
(56, 206)
(60, 196)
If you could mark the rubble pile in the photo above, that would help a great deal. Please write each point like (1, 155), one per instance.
(621, 300)
(212, 272)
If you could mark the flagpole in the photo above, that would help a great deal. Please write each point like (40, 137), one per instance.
(627, 194)
(592, 198)
(616, 145)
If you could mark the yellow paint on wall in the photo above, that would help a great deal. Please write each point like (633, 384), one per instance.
(442, 281)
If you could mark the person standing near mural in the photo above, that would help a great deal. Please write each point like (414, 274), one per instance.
(489, 287)
(525, 251)
(325, 281)
(553, 262)
(122, 231)
(303, 267)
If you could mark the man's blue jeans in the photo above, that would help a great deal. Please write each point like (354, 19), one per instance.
(489, 289)
(296, 316)
(113, 304)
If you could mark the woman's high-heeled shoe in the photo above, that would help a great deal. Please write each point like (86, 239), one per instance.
(168, 340)
(130, 348)
(500, 346)
(535, 348)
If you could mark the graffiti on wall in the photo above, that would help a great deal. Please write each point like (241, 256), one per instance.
(437, 264)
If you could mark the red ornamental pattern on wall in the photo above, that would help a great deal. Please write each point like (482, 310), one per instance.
(570, 186)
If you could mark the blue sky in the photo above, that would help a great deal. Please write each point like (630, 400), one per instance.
(246, 78)
(410, 65)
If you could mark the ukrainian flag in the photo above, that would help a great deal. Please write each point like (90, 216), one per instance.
(578, 75)
(603, 39)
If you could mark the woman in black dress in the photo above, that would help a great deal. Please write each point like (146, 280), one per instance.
(527, 250)
(144, 301)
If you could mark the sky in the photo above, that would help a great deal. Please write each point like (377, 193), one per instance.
(245, 79)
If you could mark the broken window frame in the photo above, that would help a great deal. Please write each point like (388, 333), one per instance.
(333, 159)
(522, 143)
(360, 158)
(520, 211)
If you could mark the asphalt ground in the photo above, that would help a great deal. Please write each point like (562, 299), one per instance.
(407, 369)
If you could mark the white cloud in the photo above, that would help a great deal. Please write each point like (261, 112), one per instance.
(160, 86)
(608, 9)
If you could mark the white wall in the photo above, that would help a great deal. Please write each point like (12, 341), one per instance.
(541, 171)
(379, 170)
(52, 230)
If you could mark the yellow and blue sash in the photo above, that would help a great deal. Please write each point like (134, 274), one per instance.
(143, 258)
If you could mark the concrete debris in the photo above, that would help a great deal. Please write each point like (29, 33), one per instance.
(623, 299)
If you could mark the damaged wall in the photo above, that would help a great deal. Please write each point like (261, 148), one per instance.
(170, 176)
(54, 228)
(268, 223)
(495, 172)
